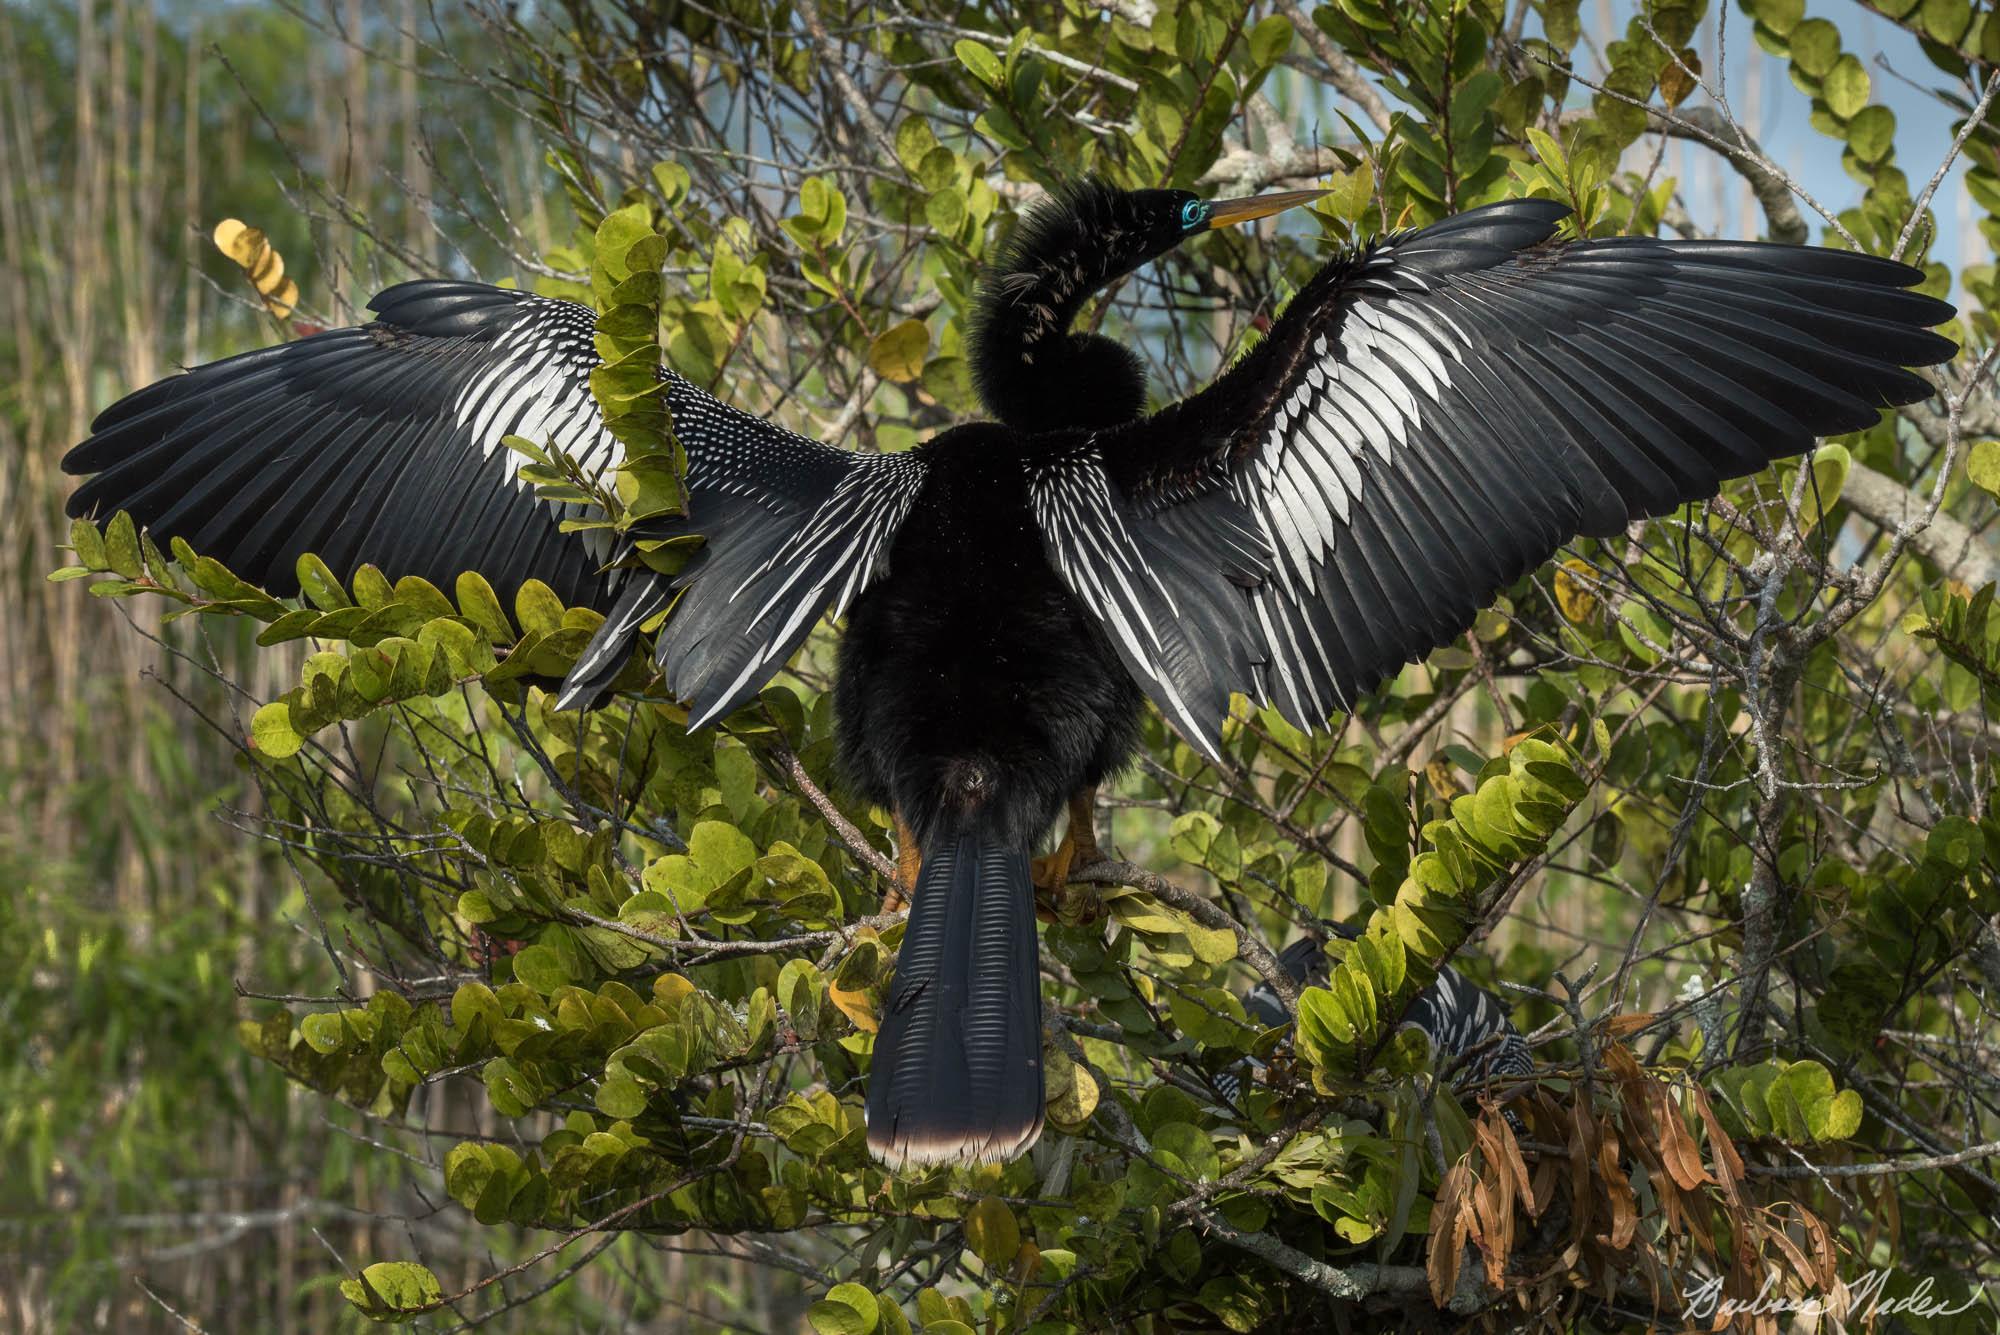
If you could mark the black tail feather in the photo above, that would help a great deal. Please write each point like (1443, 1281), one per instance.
(958, 1062)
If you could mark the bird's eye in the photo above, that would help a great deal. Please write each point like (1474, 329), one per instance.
(1193, 213)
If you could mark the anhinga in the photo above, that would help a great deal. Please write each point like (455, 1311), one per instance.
(1472, 1037)
(1434, 413)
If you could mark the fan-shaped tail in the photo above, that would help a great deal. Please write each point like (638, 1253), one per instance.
(958, 1062)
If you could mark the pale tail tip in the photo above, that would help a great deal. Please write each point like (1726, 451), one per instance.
(927, 1151)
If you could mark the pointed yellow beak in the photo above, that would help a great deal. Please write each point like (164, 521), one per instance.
(1228, 212)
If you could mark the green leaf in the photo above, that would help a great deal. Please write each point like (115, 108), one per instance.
(1955, 842)
(1982, 465)
(847, 1309)
(324, 1032)
(672, 181)
(1845, 87)
(478, 604)
(897, 353)
(799, 990)
(1842, 1117)
(537, 608)
(1269, 40)
(1192, 1146)
(1804, 1106)
(992, 1231)
(1211, 945)
(1324, 1025)
(541, 968)
(88, 544)
(914, 141)
(1780, 16)
(1945, 21)
(1815, 47)
(1237, 1303)
(985, 66)
(272, 733)
(621, 1097)
(1871, 133)
(392, 1290)
(121, 547)
(319, 584)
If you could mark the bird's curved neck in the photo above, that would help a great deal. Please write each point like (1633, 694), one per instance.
(1031, 371)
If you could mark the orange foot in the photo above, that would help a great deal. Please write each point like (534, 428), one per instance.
(1077, 849)
(909, 861)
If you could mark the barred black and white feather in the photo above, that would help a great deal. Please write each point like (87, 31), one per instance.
(791, 530)
(384, 445)
(1434, 415)
(1471, 1035)
(381, 445)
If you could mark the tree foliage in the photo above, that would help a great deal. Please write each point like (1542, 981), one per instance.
(1720, 787)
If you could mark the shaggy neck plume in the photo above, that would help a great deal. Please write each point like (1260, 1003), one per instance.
(1032, 373)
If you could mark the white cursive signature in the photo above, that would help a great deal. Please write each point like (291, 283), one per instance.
(1861, 1298)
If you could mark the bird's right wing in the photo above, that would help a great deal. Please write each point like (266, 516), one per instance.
(381, 445)
(1430, 419)
(791, 529)
(384, 445)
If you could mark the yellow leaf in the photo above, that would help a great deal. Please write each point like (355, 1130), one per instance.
(238, 240)
(669, 988)
(1575, 581)
(284, 300)
(261, 264)
(855, 1004)
(1677, 76)
(1074, 1105)
(1216, 945)
(898, 352)
(993, 1232)
(1982, 465)
(1442, 780)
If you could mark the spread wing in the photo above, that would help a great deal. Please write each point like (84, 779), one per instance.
(383, 445)
(379, 444)
(1431, 418)
(792, 528)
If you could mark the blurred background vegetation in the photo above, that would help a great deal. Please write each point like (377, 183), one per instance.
(137, 1137)
(150, 1165)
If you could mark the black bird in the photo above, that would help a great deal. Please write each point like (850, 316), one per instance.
(1435, 413)
(1471, 1035)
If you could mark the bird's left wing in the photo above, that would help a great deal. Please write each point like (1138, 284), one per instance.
(1430, 419)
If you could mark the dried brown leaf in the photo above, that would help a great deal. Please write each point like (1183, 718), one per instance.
(1795, 1257)
(1723, 1158)
(1448, 1230)
(1628, 1024)
(1624, 1204)
(1677, 1147)
(1511, 1160)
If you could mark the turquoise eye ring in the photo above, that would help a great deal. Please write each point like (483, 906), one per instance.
(1193, 213)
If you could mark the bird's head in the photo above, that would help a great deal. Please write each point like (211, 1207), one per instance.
(1031, 371)
(1162, 219)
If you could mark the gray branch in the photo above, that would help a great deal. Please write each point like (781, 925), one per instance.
(1948, 543)
(1364, 1279)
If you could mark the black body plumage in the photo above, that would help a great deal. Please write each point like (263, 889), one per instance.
(973, 695)
(1430, 418)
